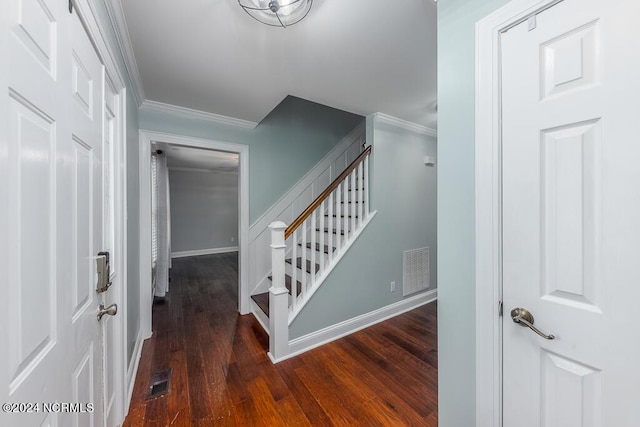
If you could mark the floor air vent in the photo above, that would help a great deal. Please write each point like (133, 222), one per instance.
(415, 271)
(160, 382)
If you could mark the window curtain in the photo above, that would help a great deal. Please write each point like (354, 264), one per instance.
(161, 228)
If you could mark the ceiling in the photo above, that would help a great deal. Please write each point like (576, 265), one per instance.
(179, 157)
(361, 56)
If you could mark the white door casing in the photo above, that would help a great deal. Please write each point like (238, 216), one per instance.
(51, 142)
(113, 326)
(570, 209)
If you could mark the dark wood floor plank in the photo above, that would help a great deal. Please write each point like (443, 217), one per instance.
(367, 378)
(385, 375)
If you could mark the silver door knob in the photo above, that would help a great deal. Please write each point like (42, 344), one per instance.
(111, 310)
(524, 318)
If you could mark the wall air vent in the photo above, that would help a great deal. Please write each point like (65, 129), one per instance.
(415, 271)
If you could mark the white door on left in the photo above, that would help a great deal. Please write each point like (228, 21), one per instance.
(51, 116)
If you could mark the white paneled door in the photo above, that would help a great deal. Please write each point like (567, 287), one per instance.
(571, 216)
(52, 215)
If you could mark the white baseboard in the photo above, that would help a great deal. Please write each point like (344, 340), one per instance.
(331, 333)
(204, 252)
(133, 369)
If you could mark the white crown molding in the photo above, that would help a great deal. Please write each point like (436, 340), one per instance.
(189, 113)
(414, 127)
(119, 23)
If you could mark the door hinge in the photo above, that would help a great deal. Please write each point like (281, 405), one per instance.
(500, 308)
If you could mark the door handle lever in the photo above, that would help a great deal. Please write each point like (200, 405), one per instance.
(524, 318)
(111, 310)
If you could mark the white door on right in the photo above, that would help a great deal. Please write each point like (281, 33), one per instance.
(571, 216)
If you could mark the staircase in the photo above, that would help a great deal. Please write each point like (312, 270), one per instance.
(305, 252)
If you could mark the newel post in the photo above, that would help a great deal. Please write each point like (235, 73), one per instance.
(278, 296)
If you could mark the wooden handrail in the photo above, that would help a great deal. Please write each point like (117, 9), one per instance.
(323, 196)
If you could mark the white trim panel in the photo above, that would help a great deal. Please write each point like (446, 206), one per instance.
(189, 113)
(331, 333)
(197, 252)
(414, 127)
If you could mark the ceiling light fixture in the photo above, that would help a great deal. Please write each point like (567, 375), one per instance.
(277, 13)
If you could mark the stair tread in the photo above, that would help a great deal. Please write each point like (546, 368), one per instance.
(326, 247)
(341, 216)
(262, 300)
(326, 230)
(299, 264)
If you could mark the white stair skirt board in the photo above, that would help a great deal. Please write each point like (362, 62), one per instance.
(204, 252)
(260, 316)
(331, 333)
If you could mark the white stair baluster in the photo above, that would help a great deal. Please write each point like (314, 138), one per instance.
(294, 272)
(331, 227)
(303, 260)
(320, 253)
(314, 241)
(360, 195)
(339, 213)
(366, 187)
(354, 204)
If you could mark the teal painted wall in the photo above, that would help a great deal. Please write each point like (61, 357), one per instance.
(133, 197)
(456, 188)
(403, 191)
(295, 136)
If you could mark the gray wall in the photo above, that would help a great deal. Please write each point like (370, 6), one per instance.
(403, 191)
(133, 217)
(456, 293)
(204, 210)
(295, 136)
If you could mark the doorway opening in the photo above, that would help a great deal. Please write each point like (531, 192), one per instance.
(194, 207)
(204, 201)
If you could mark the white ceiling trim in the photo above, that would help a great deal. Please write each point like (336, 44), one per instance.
(414, 127)
(189, 113)
(119, 23)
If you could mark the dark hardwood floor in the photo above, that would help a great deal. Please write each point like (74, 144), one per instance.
(385, 375)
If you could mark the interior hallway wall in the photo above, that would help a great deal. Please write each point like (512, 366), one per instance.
(456, 209)
(204, 210)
